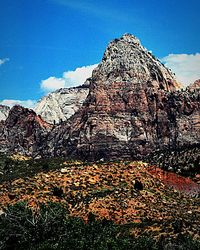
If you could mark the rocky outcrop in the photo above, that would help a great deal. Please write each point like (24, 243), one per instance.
(62, 104)
(4, 110)
(127, 61)
(23, 131)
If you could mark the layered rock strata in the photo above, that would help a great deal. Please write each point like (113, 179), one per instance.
(23, 132)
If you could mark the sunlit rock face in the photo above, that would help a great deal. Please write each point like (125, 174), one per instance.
(62, 104)
(4, 110)
(127, 61)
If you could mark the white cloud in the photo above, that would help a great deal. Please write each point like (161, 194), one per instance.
(52, 83)
(185, 66)
(69, 79)
(4, 60)
(79, 75)
(25, 103)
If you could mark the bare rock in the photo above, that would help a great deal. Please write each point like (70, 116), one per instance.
(23, 131)
(62, 104)
(4, 111)
(194, 86)
(134, 106)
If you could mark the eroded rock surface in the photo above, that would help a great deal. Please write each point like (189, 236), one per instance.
(134, 107)
(23, 131)
(62, 104)
(4, 110)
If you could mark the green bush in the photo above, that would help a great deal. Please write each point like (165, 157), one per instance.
(51, 227)
(20, 227)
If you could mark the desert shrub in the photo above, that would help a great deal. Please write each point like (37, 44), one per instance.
(182, 242)
(51, 227)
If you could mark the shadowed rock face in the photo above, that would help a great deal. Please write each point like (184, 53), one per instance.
(134, 107)
(23, 131)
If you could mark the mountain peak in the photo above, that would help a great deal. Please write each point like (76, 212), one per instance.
(130, 38)
(62, 104)
(126, 60)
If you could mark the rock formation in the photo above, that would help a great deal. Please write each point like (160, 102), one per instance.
(4, 110)
(134, 107)
(23, 131)
(61, 104)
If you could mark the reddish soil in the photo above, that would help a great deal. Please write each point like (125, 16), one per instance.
(179, 183)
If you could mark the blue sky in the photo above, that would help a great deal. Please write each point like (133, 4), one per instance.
(44, 41)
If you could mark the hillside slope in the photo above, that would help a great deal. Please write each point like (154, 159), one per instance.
(124, 192)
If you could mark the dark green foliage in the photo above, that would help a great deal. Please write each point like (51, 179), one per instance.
(12, 169)
(52, 228)
(181, 243)
(177, 225)
(45, 166)
(138, 185)
(57, 191)
(20, 228)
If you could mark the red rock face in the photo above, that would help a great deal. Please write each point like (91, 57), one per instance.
(23, 131)
(132, 123)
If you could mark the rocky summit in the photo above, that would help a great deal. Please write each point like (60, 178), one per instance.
(127, 61)
(134, 107)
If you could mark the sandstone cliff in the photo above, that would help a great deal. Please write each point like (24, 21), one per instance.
(62, 104)
(23, 131)
(134, 107)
